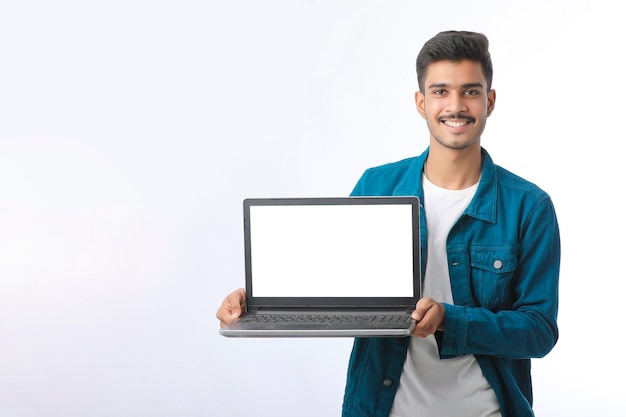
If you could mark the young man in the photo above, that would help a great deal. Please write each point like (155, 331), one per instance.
(492, 252)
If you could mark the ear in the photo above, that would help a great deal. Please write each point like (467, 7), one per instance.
(419, 103)
(491, 101)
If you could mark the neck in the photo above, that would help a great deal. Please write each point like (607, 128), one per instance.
(453, 169)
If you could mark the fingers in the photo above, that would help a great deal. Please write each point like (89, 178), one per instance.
(430, 317)
(232, 307)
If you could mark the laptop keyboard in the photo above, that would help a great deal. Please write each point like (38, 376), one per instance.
(326, 318)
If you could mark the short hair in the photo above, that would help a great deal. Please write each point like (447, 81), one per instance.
(455, 46)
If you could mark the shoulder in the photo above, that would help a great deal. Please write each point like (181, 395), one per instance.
(506, 181)
(524, 197)
(391, 168)
(384, 179)
(509, 182)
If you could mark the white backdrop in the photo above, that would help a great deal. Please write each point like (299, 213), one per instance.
(130, 132)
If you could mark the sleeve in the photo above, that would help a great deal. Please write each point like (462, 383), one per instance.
(529, 327)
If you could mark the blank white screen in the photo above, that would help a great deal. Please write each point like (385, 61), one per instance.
(332, 251)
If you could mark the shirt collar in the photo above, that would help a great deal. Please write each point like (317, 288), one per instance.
(483, 205)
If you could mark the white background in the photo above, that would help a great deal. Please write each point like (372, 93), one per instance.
(131, 131)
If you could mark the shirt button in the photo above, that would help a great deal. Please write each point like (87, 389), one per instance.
(497, 264)
(387, 382)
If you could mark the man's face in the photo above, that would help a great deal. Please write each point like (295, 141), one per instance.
(455, 103)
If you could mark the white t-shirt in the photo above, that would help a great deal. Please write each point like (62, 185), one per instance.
(430, 386)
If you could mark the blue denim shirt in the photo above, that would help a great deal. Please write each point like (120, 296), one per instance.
(504, 258)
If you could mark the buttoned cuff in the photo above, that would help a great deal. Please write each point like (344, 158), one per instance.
(453, 340)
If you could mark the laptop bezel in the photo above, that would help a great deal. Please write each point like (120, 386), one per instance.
(333, 303)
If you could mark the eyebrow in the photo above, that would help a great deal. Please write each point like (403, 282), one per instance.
(468, 85)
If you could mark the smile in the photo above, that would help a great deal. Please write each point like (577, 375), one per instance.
(455, 124)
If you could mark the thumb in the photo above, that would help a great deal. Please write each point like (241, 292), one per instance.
(416, 315)
(422, 306)
(235, 310)
(237, 300)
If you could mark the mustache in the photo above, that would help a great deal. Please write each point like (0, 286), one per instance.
(457, 117)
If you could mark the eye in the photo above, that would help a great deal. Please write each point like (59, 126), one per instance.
(439, 92)
(472, 92)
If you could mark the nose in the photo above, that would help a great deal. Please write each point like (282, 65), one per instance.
(456, 104)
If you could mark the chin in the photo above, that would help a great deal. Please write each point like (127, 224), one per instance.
(458, 145)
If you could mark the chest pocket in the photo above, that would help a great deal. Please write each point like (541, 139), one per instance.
(492, 272)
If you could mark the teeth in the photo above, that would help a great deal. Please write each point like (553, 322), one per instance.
(455, 124)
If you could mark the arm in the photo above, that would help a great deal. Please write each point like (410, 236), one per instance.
(527, 327)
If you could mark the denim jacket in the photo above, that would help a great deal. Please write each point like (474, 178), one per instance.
(503, 258)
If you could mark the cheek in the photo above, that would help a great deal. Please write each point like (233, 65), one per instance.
(430, 111)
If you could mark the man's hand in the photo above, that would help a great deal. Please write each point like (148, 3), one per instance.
(430, 317)
(232, 307)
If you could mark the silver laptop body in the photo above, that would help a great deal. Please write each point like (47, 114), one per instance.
(330, 267)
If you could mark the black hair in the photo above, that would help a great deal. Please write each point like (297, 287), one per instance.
(455, 46)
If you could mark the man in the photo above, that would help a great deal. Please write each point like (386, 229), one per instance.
(492, 252)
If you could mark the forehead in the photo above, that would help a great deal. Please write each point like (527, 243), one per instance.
(455, 73)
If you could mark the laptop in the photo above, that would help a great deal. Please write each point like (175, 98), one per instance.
(330, 267)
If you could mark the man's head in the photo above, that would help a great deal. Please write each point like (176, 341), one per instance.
(455, 95)
(455, 46)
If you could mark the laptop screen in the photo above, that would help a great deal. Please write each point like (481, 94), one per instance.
(357, 247)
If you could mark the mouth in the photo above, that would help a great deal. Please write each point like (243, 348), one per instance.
(456, 122)
(453, 123)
